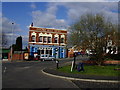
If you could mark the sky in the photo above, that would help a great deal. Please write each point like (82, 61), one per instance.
(59, 15)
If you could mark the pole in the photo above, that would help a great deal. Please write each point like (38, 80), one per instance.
(12, 42)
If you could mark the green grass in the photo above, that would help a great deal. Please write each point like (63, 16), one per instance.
(94, 70)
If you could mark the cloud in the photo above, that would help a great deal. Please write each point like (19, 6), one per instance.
(8, 26)
(11, 30)
(75, 10)
(48, 18)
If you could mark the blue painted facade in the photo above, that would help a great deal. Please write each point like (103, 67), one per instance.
(57, 51)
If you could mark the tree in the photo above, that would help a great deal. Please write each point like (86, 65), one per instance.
(18, 45)
(89, 33)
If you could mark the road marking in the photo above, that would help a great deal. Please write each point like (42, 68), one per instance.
(5, 69)
(89, 80)
(26, 67)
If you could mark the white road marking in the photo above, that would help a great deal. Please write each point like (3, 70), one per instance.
(5, 69)
(26, 67)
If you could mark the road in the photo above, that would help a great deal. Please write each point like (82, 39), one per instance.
(29, 75)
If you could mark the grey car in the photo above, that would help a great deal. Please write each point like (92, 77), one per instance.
(45, 57)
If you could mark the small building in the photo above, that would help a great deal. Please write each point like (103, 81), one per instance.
(5, 52)
(73, 50)
(49, 41)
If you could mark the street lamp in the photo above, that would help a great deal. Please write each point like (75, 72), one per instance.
(12, 42)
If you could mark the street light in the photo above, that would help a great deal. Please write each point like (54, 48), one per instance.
(12, 42)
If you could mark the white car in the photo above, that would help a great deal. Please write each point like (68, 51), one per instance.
(47, 57)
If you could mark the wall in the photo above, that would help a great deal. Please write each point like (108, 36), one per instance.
(16, 56)
(70, 53)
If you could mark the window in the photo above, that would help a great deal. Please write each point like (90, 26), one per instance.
(42, 51)
(49, 39)
(47, 51)
(45, 39)
(56, 40)
(33, 38)
(40, 39)
(50, 52)
(62, 40)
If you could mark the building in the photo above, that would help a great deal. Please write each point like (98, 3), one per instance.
(5, 52)
(47, 41)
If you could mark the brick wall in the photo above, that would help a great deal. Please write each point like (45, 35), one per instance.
(16, 56)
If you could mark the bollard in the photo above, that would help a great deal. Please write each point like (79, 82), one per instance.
(57, 62)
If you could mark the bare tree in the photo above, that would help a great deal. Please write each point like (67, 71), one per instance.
(89, 33)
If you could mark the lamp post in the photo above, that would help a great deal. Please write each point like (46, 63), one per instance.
(12, 42)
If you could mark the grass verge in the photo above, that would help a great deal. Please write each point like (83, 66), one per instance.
(108, 70)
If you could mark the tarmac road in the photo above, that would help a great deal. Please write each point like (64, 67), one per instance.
(29, 75)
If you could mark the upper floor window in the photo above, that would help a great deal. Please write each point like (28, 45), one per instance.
(49, 40)
(45, 39)
(40, 39)
(56, 39)
(62, 40)
(33, 38)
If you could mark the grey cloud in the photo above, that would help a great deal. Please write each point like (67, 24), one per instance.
(7, 26)
(10, 30)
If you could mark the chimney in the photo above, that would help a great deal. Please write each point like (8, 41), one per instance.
(32, 24)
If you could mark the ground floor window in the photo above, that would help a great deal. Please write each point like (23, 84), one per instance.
(45, 51)
(42, 51)
(50, 52)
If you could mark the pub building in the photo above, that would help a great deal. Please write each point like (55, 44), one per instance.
(47, 41)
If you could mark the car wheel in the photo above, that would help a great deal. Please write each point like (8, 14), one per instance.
(43, 59)
(52, 59)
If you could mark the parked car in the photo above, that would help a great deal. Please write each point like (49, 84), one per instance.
(44, 57)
